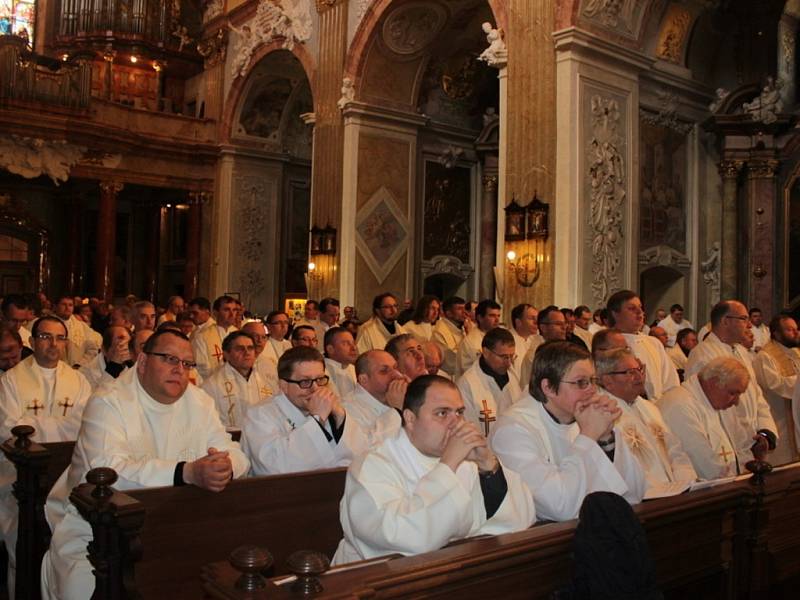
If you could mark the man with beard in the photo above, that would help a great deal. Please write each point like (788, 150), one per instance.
(777, 367)
(685, 342)
(382, 326)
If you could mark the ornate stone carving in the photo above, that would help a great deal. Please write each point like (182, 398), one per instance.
(213, 49)
(667, 115)
(496, 55)
(323, 5)
(730, 169)
(348, 93)
(787, 44)
(32, 157)
(211, 10)
(769, 103)
(450, 157)
(490, 183)
(664, 256)
(250, 227)
(762, 169)
(673, 34)
(445, 264)
(607, 183)
(363, 6)
(722, 93)
(710, 268)
(412, 27)
(613, 14)
(289, 20)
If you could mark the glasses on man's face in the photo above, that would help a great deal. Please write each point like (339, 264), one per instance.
(583, 383)
(506, 357)
(307, 383)
(49, 337)
(174, 361)
(633, 371)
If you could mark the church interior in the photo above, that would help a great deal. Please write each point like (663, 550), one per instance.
(542, 152)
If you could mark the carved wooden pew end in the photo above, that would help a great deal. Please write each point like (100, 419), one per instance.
(308, 565)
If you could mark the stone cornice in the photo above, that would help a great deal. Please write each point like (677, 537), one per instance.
(590, 46)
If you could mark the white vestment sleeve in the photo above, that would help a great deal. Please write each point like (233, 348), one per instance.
(770, 379)
(558, 489)
(682, 468)
(685, 423)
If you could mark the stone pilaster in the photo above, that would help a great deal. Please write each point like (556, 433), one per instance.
(761, 191)
(729, 287)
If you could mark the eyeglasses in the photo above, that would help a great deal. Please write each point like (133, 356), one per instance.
(307, 383)
(629, 372)
(174, 361)
(582, 384)
(506, 357)
(49, 337)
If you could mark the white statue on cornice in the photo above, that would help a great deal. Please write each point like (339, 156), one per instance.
(722, 93)
(287, 19)
(32, 157)
(496, 55)
(769, 103)
(348, 93)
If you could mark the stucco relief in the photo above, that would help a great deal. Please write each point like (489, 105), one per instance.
(606, 174)
(412, 27)
(286, 19)
(673, 34)
(250, 224)
(619, 15)
(32, 157)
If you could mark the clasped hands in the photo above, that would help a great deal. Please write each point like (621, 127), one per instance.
(596, 416)
(463, 442)
(211, 472)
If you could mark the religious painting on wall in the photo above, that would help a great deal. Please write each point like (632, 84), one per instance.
(662, 212)
(381, 233)
(446, 211)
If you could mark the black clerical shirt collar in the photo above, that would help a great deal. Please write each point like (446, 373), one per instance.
(552, 416)
(391, 327)
(500, 380)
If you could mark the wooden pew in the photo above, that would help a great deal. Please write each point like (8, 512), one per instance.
(693, 540)
(38, 467)
(167, 534)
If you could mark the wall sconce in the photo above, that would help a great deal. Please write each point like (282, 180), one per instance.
(329, 240)
(313, 274)
(526, 269)
(529, 225)
(515, 222)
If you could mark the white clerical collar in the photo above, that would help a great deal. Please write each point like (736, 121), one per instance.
(151, 403)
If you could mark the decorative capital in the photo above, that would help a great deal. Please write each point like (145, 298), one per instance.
(729, 169)
(762, 169)
(323, 5)
(111, 188)
(490, 183)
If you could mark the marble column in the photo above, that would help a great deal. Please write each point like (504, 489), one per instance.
(729, 287)
(106, 239)
(761, 192)
(152, 252)
(192, 275)
(489, 236)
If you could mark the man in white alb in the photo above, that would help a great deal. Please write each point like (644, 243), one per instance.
(153, 429)
(235, 386)
(200, 311)
(114, 357)
(487, 316)
(583, 319)
(652, 442)
(525, 329)
(278, 327)
(407, 351)
(435, 481)
(701, 413)
(83, 342)
(625, 313)
(305, 427)
(761, 334)
(449, 331)
(561, 438)
(207, 341)
(340, 358)
(489, 387)
(673, 323)
(175, 307)
(730, 331)
(383, 325)
(265, 368)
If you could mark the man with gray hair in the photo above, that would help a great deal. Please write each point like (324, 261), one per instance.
(655, 446)
(701, 412)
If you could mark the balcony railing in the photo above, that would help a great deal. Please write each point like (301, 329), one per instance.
(27, 76)
(148, 21)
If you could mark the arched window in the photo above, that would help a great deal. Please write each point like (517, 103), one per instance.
(17, 17)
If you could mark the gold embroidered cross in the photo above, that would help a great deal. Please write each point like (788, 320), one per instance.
(36, 407)
(217, 353)
(66, 404)
(724, 453)
(486, 417)
(231, 403)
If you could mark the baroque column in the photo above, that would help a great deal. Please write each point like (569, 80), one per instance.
(106, 239)
(761, 191)
(729, 288)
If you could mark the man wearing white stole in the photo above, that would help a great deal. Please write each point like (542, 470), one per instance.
(236, 386)
(46, 393)
(153, 429)
(561, 437)
(653, 443)
(435, 481)
(701, 412)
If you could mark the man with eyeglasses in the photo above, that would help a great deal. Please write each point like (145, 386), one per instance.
(377, 401)
(730, 332)
(654, 444)
(489, 387)
(278, 327)
(83, 342)
(777, 368)
(153, 429)
(207, 342)
(449, 331)
(407, 351)
(44, 392)
(305, 426)
(264, 366)
(304, 335)
(561, 436)
(340, 358)
(702, 413)
(487, 317)
(236, 386)
(383, 325)
(625, 313)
